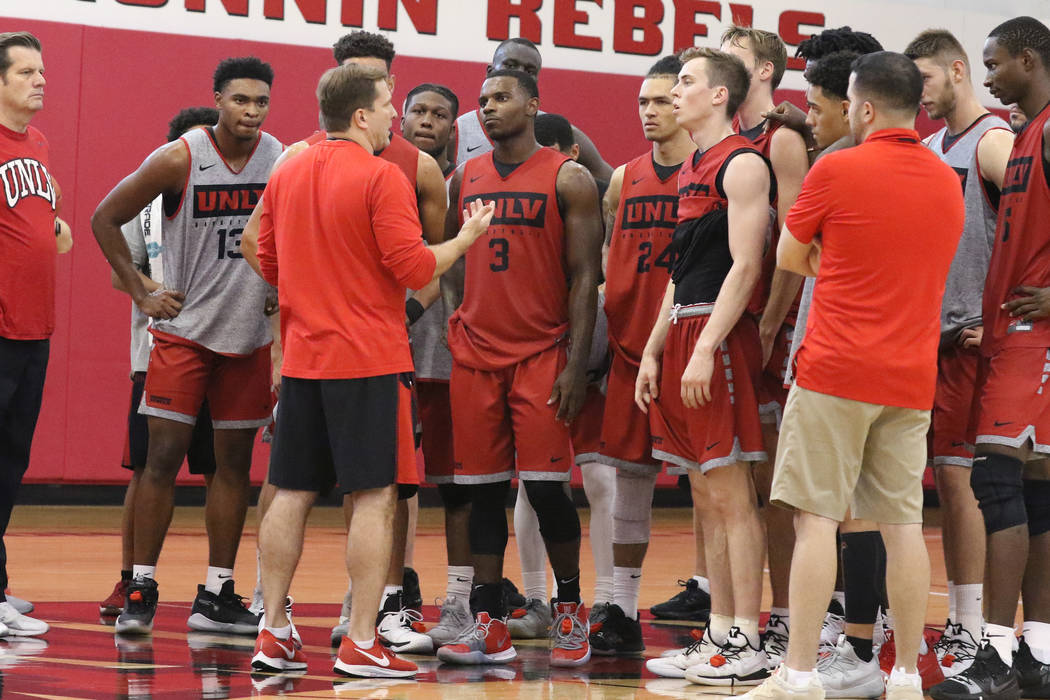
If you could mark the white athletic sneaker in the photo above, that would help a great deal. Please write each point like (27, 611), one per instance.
(774, 688)
(834, 627)
(844, 675)
(395, 630)
(775, 640)
(738, 662)
(454, 621)
(955, 650)
(530, 622)
(693, 655)
(343, 628)
(19, 625)
(22, 606)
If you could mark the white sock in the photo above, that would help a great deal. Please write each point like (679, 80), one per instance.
(627, 582)
(364, 645)
(1002, 640)
(749, 628)
(603, 589)
(258, 569)
(143, 571)
(968, 607)
(718, 628)
(281, 632)
(216, 577)
(460, 579)
(704, 583)
(535, 583)
(795, 679)
(783, 614)
(899, 676)
(1037, 635)
(953, 607)
(389, 592)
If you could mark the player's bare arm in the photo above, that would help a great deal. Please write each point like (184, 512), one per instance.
(796, 256)
(746, 185)
(432, 198)
(162, 173)
(789, 114)
(578, 202)
(590, 158)
(993, 152)
(452, 280)
(250, 235)
(790, 162)
(647, 384)
(610, 203)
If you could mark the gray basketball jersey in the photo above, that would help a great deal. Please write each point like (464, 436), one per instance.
(223, 310)
(964, 289)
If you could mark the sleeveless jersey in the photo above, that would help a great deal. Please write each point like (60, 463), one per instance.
(515, 296)
(704, 264)
(1021, 254)
(27, 237)
(639, 260)
(961, 307)
(223, 310)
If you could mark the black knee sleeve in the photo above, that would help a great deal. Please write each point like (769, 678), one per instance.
(996, 483)
(555, 511)
(488, 518)
(406, 491)
(860, 564)
(1037, 506)
(454, 496)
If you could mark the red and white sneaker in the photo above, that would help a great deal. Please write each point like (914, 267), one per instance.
(277, 655)
(487, 641)
(569, 633)
(377, 662)
(928, 666)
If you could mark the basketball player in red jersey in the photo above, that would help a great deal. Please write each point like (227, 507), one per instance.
(528, 290)
(776, 301)
(641, 209)
(1012, 423)
(703, 407)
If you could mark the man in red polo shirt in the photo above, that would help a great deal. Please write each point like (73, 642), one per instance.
(340, 229)
(854, 430)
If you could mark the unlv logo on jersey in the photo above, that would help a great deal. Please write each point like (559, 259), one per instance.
(210, 201)
(1018, 170)
(515, 208)
(26, 177)
(649, 211)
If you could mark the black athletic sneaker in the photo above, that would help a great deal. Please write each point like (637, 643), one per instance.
(690, 604)
(225, 612)
(512, 597)
(599, 611)
(988, 678)
(140, 605)
(411, 596)
(617, 636)
(1032, 675)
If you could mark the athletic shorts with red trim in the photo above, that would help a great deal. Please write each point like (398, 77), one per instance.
(953, 406)
(435, 414)
(587, 428)
(503, 414)
(182, 375)
(1013, 399)
(772, 394)
(626, 443)
(725, 431)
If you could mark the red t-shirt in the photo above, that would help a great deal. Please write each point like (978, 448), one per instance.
(516, 291)
(400, 152)
(27, 237)
(1021, 254)
(341, 240)
(890, 214)
(639, 261)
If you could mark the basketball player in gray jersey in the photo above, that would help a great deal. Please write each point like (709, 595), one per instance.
(976, 144)
(211, 335)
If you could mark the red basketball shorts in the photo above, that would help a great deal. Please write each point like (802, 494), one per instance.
(626, 443)
(1013, 399)
(772, 394)
(435, 414)
(953, 407)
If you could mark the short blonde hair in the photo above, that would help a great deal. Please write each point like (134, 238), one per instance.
(766, 46)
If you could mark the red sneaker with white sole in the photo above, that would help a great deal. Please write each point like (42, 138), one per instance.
(928, 665)
(377, 662)
(486, 642)
(277, 655)
(569, 633)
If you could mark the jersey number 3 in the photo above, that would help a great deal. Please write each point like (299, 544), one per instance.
(500, 254)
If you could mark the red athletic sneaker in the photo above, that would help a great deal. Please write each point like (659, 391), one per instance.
(277, 655)
(569, 633)
(114, 604)
(929, 667)
(486, 642)
(377, 662)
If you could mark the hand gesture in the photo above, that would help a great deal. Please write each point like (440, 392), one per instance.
(647, 384)
(1033, 306)
(696, 380)
(162, 303)
(569, 392)
(971, 337)
(476, 218)
(789, 115)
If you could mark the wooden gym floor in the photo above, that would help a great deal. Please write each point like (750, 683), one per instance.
(66, 559)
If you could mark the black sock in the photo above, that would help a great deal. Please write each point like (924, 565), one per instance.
(125, 575)
(862, 647)
(488, 597)
(569, 589)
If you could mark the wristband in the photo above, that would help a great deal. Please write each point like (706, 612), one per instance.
(58, 228)
(413, 310)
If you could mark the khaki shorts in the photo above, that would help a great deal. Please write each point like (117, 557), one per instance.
(837, 455)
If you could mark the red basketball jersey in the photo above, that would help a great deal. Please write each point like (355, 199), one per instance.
(1021, 253)
(700, 179)
(638, 266)
(515, 296)
(400, 152)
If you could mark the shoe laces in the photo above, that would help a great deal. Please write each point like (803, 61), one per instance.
(951, 631)
(774, 641)
(730, 652)
(568, 631)
(407, 616)
(480, 631)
